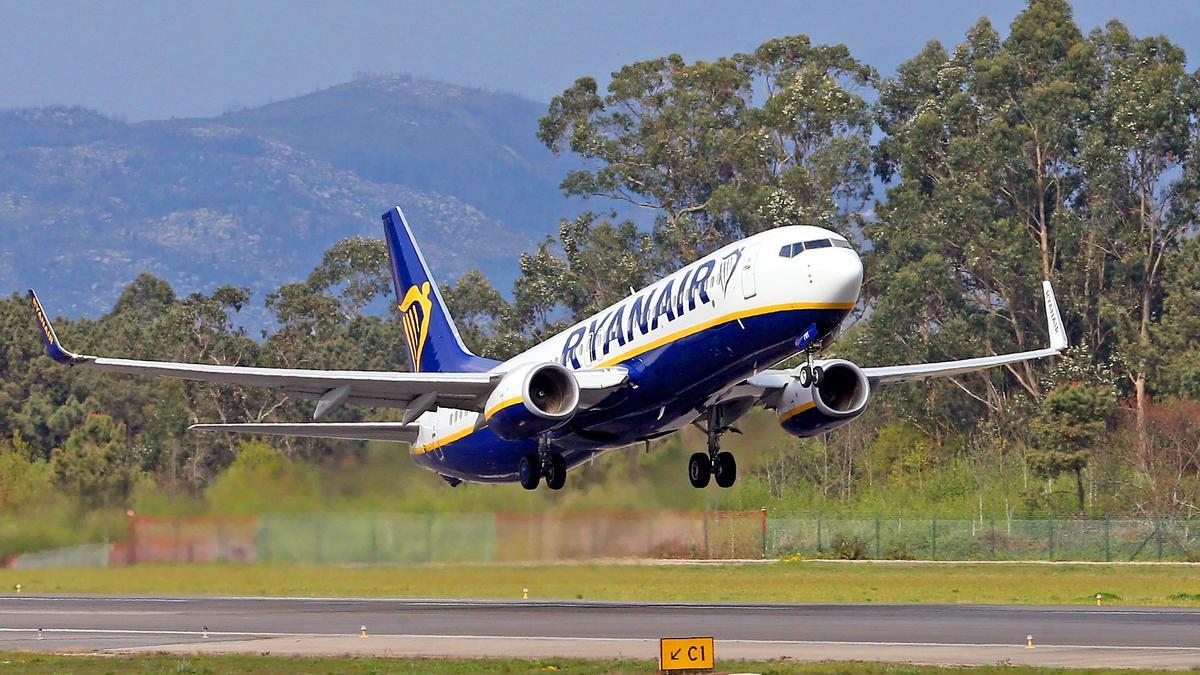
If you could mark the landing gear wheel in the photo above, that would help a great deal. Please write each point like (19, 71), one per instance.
(529, 472)
(818, 375)
(725, 469)
(556, 472)
(699, 470)
(805, 376)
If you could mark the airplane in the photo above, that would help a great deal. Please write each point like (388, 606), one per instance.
(695, 347)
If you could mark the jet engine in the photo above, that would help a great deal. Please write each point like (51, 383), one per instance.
(532, 399)
(839, 397)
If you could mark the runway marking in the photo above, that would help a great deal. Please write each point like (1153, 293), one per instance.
(528, 638)
(86, 612)
(88, 598)
(126, 631)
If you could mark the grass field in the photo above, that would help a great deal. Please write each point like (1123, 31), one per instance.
(771, 582)
(23, 662)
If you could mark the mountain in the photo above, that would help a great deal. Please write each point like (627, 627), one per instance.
(255, 196)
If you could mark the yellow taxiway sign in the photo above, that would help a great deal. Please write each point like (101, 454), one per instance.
(694, 653)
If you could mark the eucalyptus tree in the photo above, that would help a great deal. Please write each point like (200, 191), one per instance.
(722, 149)
(982, 143)
(1143, 183)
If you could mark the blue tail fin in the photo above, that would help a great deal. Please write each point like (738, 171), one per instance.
(434, 345)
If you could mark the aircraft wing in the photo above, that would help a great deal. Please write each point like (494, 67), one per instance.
(921, 371)
(415, 392)
(769, 382)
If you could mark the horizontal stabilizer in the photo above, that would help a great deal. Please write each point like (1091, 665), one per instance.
(350, 431)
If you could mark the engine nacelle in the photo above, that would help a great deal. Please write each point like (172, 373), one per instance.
(841, 396)
(532, 399)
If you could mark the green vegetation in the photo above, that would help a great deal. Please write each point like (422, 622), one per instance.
(767, 582)
(1043, 153)
(23, 662)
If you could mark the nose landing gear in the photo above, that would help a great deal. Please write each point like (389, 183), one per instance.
(810, 375)
(716, 463)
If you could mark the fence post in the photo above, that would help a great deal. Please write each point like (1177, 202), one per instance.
(132, 538)
(260, 540)
(1158, 537)
(877, 553)
(1107, 539)
(707, 552)
(992, 521)
(764, 533)
(374, 543)
(319, 539)
(220, 557)
(1050, 531)
(933, 541)
(818, 533)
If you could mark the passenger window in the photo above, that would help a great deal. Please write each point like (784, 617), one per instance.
(817, 243)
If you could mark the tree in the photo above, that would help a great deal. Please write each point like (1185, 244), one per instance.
(358, 268)
(1177, 334)
(262, 479)
(1145, 180)
(24, 478)
(696, 144)
(95, 464)
(982, 142)
(1068, 426)
(1166, 468)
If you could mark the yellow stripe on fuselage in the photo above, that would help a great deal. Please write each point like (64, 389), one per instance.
(638, 351)
(463, 433)
(456, 436)
(734, 316)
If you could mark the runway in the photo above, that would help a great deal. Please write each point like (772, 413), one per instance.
(942, 634)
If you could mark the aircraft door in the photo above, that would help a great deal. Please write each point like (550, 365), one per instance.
(749, 283)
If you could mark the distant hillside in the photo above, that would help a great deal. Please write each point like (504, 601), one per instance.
(254, 197)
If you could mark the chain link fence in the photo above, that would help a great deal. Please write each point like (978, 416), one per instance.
(983, 539)
(415, 538)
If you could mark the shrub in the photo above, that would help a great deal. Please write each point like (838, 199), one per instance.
(850, 548)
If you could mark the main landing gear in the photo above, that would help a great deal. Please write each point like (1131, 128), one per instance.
(715, 463)
(546, 463)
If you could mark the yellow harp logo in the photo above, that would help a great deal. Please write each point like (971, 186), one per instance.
(414, 311)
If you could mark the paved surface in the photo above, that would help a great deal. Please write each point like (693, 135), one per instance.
(1068, 636)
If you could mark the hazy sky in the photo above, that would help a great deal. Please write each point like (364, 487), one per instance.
(166, 58)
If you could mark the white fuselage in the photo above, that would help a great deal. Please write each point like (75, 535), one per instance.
(746, 278)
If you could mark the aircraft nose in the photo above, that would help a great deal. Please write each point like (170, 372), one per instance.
(840, 275)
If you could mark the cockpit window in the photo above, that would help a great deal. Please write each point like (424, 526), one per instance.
(793, 250)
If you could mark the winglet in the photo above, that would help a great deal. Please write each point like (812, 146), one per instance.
(1058, 334)
(50, 338)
